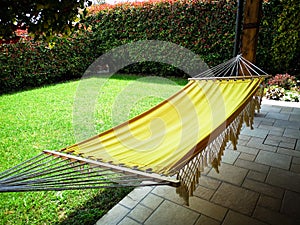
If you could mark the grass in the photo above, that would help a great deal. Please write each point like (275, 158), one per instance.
(39, 119)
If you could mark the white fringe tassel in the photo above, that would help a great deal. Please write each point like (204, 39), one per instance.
(189, 175)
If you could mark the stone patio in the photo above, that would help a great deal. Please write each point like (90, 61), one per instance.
(258, 184)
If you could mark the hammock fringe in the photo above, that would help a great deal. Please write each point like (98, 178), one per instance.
(190, 174)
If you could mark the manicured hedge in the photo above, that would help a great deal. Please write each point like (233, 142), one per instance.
(205, 28)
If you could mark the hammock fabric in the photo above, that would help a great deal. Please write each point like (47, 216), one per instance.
(170, 144)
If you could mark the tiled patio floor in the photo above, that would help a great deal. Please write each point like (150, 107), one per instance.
(258, 184)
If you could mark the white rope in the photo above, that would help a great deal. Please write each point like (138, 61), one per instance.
(235, 67)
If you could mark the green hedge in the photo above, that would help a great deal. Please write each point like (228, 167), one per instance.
(31, 64)
(207, 29)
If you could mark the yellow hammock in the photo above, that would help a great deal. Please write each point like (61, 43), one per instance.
(169, 144)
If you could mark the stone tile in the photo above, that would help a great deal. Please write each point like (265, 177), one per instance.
(294, 117)
(296, 160)
(295, 168)
(270, 108)
(247, 156)
(209, 182)
(169, 193)
(298, 145)
(140, 213)
(292, 133)
(244, 137)
(203, 192)
(257, 132)
(230, 156)
(284, 179)
(258, 176)
(252, 165)
(263, 188)
(128, 221)
(278, 116)
(291, 204)
(234, 218)
(236, 198)
(274, 159)
(286, 110)
(282, 141)
(272, 130)
(114, 216)
(257, 143)
(288, 152)
(287, 124)
(169, 213)
(134, 197)
(152, 201)
(229, 173)
(204, 220)
(207, 208)
(272, 217)
(269, 202)
(248, 150)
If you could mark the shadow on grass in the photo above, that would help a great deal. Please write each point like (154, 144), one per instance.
(95, 208)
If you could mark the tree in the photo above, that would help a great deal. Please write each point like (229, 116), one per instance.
(40, 17)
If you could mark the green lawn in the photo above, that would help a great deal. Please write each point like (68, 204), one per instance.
(39, 119)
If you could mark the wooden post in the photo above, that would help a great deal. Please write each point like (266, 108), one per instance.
(252, 15)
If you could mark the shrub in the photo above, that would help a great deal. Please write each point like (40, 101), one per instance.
(283, 87)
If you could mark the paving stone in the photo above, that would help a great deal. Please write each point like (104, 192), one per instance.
(286, 110)
(247, 156)
(287, 124)
(152, 201)
(169, 213)
(128, 221)
(292, 133)
(229, 173)
(272, 130)
(207, 208)
(294, 117)
(244, 137)
(252, 165)
(257, 143)
(167, 192)
(274, 218)
(281, 141)
(203, 192)
(295, 168)
(258, 176)
(248, 150)
(298, 145)
(269, 202)
(296, 160)
(284, 179)
(289, 152)
(278, 116)
(291, 204)
(230, 156)
(234, 218)
(204, 220)
(261, 133)
(140, 213)
(270, 108)
(209, 182)
(134, 197)
(114, 216)
(263, 188)
(236, 198)
(274, 159)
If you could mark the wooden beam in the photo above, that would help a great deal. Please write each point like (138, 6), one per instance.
(252, 16)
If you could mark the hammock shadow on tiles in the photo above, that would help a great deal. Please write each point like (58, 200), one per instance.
(170, 144)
